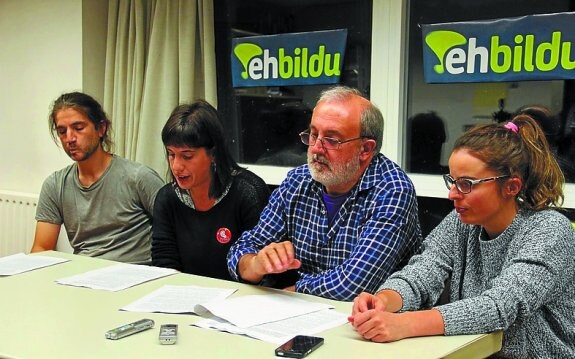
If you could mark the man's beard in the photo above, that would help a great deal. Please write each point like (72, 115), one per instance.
(334, 174)
(85, 153)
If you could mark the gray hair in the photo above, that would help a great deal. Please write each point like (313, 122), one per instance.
(371, 118)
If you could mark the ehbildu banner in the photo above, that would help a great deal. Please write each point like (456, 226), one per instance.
(310, 58)
(534, 47)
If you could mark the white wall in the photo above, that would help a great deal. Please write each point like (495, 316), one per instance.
(41, 57)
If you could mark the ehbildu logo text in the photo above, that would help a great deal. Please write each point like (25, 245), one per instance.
(310, 58)
(259, 64)
(457, 55)
(527, 48)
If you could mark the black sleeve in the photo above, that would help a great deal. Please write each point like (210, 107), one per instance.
(164, 246)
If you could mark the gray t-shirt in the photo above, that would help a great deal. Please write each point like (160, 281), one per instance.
(112, 218)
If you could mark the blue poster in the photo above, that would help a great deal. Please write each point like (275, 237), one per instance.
(528, 48)
(309, 58)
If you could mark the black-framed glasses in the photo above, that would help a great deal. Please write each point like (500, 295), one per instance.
(464, 185)
(327, 143)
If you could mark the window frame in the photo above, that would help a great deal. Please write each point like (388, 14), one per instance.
(389, 93)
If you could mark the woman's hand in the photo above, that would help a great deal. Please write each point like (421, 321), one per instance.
(381, 326)
(365, 301)
(370, 319)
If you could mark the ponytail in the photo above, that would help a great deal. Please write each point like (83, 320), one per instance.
(519, 148)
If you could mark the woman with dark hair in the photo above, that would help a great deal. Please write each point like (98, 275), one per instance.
(210, 201)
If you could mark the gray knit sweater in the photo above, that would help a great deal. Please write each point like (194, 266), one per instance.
(522, 282)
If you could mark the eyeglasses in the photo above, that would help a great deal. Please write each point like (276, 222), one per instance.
(464, 185)
(327, 143)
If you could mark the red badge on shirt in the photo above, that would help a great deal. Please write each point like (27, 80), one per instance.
(224, 235)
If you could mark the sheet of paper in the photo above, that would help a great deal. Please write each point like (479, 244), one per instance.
(251, 310)
(20, 262)
(177, 299)
(281, 331)
(117, 277)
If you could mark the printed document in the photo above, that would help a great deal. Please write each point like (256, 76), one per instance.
(251, 310)
(117, 277)
(177, 299)
(19, 263)
(282, 330)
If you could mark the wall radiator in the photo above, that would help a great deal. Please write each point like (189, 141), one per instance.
(17, 223)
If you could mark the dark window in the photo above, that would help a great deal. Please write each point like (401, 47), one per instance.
(439, 113)
(264, 122)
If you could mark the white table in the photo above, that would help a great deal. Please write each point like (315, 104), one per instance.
(42, 319)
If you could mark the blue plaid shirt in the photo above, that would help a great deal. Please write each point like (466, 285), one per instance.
(374, 233)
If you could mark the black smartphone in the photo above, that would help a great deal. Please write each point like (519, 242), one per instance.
(299, 346)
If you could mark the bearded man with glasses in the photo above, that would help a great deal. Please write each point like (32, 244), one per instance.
(346, 220)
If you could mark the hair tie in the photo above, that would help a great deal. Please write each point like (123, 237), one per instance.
(511, 127)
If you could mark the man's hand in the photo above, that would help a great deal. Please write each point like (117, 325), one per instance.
(273, 258)
(276, 258)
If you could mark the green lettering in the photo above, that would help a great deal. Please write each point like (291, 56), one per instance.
(286, 64)
(517, 53)
(553, 48)
(497, 49)
(528, 57)
(566, 61)
(297, 62)
(316, 62)
(334, 69)
(304, 62)
(440, 42)
(245, 52)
